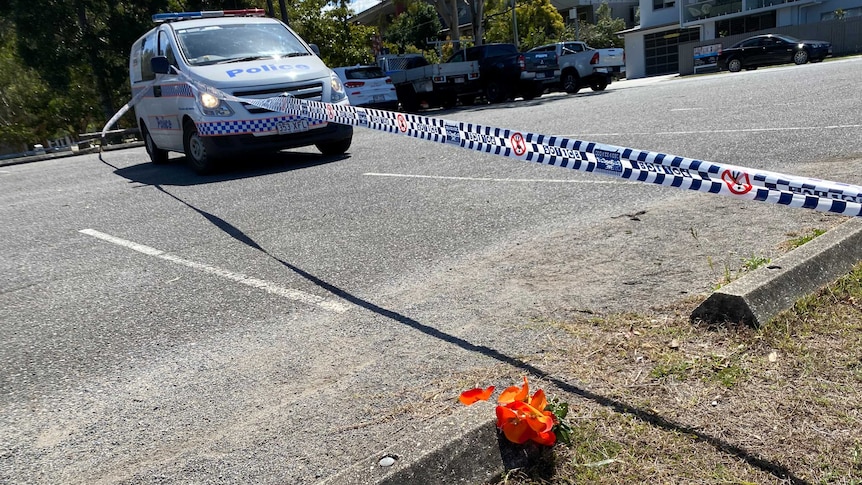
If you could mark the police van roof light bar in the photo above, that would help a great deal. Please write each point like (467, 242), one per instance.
(175, 16)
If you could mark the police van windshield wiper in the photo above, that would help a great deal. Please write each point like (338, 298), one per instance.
(244, 59)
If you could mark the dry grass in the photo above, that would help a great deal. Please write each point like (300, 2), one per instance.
(659, 399)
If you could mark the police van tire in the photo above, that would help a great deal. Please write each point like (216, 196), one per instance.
(195, 150)
(157, 155)
(338, 147)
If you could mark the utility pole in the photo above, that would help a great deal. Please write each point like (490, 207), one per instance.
(269, 10)
(514, 23)
(283, 12)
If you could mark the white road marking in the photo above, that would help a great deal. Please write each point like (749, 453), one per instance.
(288, 293)
(483, 179)
(708, 132)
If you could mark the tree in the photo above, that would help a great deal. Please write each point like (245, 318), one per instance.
(414, 27)
(23, 97)
(602, 34)
(325, 24)
(68, 40)
(538, 23)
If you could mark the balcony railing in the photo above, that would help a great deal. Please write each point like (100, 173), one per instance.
(693, 10)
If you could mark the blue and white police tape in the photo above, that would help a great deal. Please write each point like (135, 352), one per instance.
(621, 162)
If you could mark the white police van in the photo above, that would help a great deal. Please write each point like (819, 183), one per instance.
(242, 53)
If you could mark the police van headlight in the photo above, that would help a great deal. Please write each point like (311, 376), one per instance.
(337, 91)
(212, 106)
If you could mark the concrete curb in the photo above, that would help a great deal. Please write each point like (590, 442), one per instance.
(453, 449)
(758, 296)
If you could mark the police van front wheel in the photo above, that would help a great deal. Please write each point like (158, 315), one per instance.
(157, 155)
(338, 147)
(196, 152)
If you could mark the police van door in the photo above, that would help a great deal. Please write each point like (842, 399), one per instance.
(169, 94)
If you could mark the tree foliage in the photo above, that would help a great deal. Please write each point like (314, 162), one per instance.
(24, 97)
(538, 22)
(341, 42)
(414, 27)
(602, 34)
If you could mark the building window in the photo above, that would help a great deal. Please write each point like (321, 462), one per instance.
(744, 25)
(659, 4)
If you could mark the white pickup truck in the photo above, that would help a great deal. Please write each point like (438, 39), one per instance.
(581, 65)
(420, 84)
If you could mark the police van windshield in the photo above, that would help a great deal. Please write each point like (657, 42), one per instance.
(219, 44)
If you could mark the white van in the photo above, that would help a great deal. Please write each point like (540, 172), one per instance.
(242, 53)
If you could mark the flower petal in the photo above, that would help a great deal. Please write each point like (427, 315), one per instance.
(539, 400)
(515, 429)
(538, 421)
(477, 394)
(547, 439)
(514, 393)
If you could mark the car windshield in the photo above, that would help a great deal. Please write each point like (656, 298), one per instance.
(219, 44)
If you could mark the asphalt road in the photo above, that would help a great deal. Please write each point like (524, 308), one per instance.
(288, 317)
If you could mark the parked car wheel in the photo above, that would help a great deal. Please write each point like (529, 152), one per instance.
(495, 92)
(800, 57)
(196, 152)
(599, 85)
(338, 147)
(734, 65)
(157, 155)
(571, 82)
(409, 100)
(533, 92)
(467, 100)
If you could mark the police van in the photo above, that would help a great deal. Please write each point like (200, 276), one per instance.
(241, 53)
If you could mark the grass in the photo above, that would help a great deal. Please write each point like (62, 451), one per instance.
(670, 401)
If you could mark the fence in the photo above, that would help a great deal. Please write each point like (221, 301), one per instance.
(845, 36)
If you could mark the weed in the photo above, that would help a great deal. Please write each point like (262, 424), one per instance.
(754, 262)
(799, 241)
(680, 370)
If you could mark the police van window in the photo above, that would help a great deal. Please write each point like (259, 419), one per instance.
(235, 42)
(148, 51)
(165, 49)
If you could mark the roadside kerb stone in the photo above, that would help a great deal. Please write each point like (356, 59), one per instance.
(760, 295)
(460, 448)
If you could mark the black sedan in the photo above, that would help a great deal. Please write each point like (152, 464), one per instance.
(764, 50)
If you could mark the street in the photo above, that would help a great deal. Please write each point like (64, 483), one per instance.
(296, 313)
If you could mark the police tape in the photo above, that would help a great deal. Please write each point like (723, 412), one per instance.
(615, 161)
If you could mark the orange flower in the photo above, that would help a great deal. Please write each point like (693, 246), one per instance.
(521, 418)
(478, 394)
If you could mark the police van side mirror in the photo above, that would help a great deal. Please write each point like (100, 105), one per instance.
(315, 49)
(160, 65)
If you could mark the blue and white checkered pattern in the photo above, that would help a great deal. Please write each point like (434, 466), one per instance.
(244, 127)
(626, 163)
(179, 90)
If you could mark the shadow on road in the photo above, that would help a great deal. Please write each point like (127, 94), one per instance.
(177, 173)
(654, 419)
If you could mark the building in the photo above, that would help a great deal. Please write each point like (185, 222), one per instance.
(670, 29)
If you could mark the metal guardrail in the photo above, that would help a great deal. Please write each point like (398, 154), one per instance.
(98, 134)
